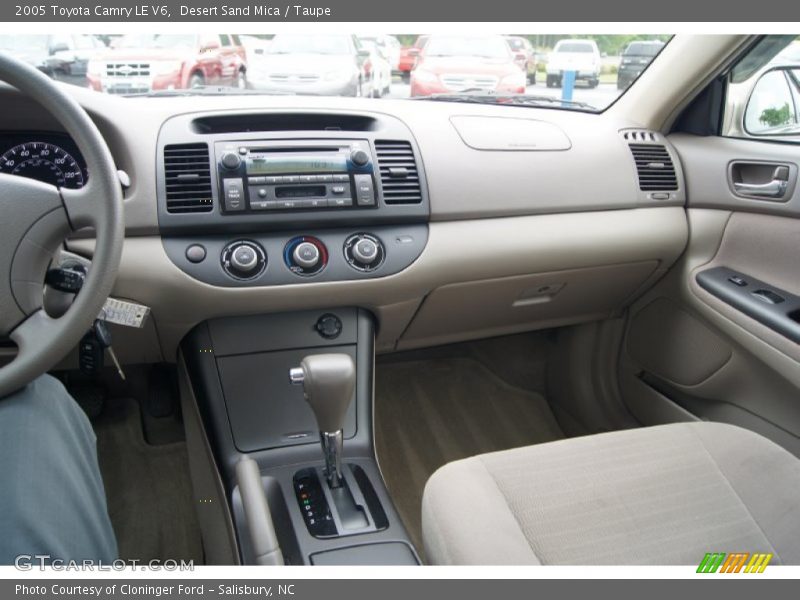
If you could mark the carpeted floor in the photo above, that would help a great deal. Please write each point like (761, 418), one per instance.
(148, 489)
(433, 408)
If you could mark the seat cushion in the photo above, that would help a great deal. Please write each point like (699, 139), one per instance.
(661, 495)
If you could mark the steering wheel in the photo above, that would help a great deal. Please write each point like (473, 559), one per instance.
(35, 218)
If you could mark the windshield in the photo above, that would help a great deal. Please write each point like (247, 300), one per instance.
(141, 40)
(493, 47)
(556, 71)
(301, 44)
(23, 43)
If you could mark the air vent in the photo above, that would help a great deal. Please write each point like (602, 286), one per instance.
(399, 175)
(638, 135)
(654, 167)
(187, 173)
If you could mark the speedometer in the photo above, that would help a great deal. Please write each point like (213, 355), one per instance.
(43, 161)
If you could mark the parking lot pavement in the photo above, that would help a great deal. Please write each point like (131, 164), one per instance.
(599, 97)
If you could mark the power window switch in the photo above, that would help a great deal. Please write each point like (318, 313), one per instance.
(736, 280)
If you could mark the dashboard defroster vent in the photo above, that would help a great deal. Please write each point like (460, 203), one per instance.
(654, 167)
(187, 173)
(399, 175)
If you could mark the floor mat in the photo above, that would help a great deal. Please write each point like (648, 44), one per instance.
(430, 412)
(149, 493)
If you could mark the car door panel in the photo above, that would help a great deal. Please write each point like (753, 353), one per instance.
(708, 164)
(690, 350)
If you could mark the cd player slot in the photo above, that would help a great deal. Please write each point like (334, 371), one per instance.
(295, 149)
(300, 191)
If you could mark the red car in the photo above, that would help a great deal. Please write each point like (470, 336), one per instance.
(409, 55)
(455, 64)
(142, 63)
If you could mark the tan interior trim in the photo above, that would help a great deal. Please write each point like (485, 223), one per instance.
(214, 516)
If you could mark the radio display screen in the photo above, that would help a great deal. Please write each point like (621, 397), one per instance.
(295, 163)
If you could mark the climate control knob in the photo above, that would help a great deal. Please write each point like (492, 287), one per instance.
(231, 160)
(364, 252)
(305, 255)
(244, 259)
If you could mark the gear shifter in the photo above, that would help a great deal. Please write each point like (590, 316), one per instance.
(328, 382)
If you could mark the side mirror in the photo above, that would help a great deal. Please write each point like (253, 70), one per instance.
(364, 54)
(771, 109)
(61, 47)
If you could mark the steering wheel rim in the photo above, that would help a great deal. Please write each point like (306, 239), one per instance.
(36, 218)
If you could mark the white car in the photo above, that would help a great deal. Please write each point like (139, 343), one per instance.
(581, 56)
(381, 66)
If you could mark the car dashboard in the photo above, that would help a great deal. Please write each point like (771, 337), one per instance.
(446, 221)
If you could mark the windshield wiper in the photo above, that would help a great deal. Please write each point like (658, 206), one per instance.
(209, 90)
(481, 96)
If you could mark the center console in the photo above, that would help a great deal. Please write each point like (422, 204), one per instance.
(244, 372)
(284, 198)
(253, 200)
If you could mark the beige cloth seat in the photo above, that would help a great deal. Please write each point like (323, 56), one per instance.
(661, 495)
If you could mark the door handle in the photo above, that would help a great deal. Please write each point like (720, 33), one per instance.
(773, 189)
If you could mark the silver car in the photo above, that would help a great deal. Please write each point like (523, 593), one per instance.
(325, 65)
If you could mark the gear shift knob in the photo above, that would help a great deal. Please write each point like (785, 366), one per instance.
(328, 383)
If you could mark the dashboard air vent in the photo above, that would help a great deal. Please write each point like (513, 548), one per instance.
(187, 173)
(639, 135)
(399, 175)
(654, 167)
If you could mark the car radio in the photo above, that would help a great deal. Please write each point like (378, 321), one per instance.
(289, 175)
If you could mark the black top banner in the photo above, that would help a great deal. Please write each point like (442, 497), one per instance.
(464, 11)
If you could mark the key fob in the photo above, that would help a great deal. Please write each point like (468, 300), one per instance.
(90, 354)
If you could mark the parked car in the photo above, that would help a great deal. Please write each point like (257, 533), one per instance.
(381, 68)
(390, 48)
(254, 47)
(580, 56)
(634, 60)
(62, 57)
(409, 55)
(141, 63)
(452, 63)
(524, 55)
(329, 65)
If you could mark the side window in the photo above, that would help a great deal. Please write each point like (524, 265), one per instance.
(225, 39)
(772, 106)
(236, 40)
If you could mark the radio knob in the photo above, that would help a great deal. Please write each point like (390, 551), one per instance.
(365, 251)
(231, 160)
(360, 158)
(306, 255)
